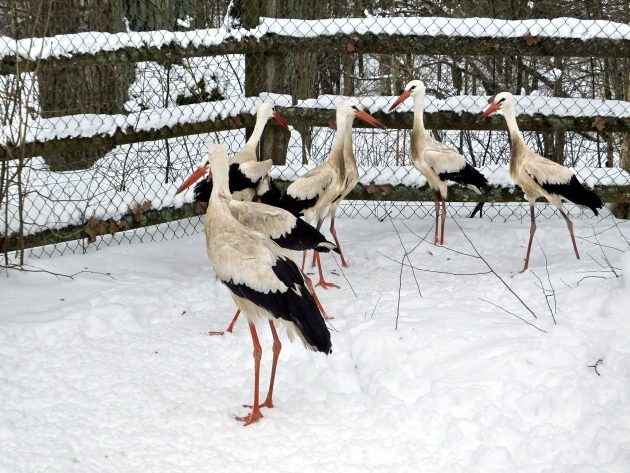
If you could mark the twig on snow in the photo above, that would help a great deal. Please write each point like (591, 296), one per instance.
(493, 271)
(27, 269)
(402, 266)
(547, 292)
(604, 256)
(375, 305)
(432, 270)
(512, 313)
(597, 363)
(344, 276)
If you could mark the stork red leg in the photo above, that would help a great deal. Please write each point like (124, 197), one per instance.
(436, 201)
(231, 326)
(334, 234)
(309, 284)
(316, 257)
(532, 230)
(255, 415)
(322, 282)
(303, 259)
(570, 227)
(443, 204)
(277, 346)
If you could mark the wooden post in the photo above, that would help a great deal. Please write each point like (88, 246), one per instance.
(623, 210)
(275, 141)
(250, 17)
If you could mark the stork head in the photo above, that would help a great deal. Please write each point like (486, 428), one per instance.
(350, 108)
(502, 102)
(215, 158)
(267, 111)
(412, 89)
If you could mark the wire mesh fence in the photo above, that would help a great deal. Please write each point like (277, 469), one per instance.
(105, 112)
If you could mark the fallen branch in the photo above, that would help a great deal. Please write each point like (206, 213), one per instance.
(493, 271)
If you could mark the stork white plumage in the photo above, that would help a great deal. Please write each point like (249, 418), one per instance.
(317, 194)
(288, 231)
(264, 281)
(439, 164)
(539, 176)
(246, 172)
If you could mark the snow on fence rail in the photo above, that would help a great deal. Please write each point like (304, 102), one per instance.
(421, 35)
(535, 113)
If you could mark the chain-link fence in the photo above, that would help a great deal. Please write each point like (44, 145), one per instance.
(101, 120)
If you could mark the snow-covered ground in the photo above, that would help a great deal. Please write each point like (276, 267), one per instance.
(113, 369)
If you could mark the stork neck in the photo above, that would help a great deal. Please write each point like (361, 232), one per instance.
(253, 140)
(220, 179)
(517, 142)
(344, 129)
(418, 112)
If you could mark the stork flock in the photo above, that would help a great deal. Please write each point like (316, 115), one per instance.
(252, 227)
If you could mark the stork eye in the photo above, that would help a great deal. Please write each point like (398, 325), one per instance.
(502, 100)
(412, 87)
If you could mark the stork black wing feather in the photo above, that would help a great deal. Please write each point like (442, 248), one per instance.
(296, 206)
(237, 182)
(576, 193)
(304, 236)
(294, 305)
(273, 196)
(467, 175)
(202, 190)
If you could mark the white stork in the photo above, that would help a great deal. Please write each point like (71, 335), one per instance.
(288, 231)
(319, 192)
(439, 164)
(262, 278)
(539, 176)
(246, 171)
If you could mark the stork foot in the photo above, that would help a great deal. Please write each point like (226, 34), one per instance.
(213, 333)
(326, 284)
(268, 404)
(255, 416)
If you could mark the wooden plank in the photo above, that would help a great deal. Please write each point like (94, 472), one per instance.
(387, 192)
(368, 43)
(299, 116)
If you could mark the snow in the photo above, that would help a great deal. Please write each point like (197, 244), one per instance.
(441, 26)
(89, 125)
(113, 369)
(525, 105)
(93, 42)
(108, 190)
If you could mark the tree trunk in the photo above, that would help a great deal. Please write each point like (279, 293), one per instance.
(301, 68)
(66, 90)
(623, 210)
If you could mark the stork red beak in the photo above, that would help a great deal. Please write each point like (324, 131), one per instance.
(493, 107)
(194, 177)
(369, 119)
(278, 118)
(404, 95)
